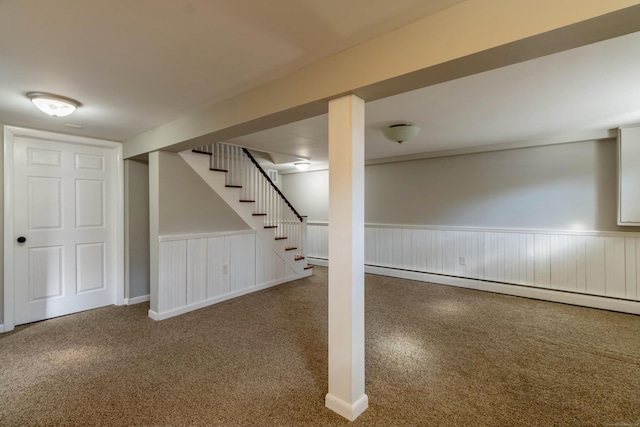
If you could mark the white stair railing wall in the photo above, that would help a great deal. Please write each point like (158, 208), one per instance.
(244, 172)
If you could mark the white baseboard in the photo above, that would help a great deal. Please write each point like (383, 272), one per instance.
(1, 328)
(573, 298)
(604, 303)
(191, 307)
(350, 411)
(318, 261)
(137, 300)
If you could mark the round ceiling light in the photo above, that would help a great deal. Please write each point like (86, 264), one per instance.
(53, 105)
(302, 166)
(400, 132)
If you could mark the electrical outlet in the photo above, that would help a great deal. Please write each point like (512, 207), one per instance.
(225, 269)
(462, 260)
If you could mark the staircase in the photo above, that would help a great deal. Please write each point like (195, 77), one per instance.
(238, 178)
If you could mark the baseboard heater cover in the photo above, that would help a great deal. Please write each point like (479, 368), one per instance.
(552, 295)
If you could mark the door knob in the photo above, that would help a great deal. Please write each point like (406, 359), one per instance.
(22, 239)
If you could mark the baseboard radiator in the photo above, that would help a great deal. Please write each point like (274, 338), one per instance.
(577, 264)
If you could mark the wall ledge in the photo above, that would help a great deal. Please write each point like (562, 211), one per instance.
(174, 237)
(565, 232)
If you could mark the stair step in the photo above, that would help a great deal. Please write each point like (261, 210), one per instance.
(270, 226)
(200, 152)
(247, 201)
(218, 170)
(233, 186)
(308, 267)
(290, 248)
(259, 214)
(298, 258)
(281, 238)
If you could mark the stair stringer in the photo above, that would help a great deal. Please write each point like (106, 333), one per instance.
(216, 180)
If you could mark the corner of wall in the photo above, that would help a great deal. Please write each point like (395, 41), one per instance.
(2, 225)
(154, 228)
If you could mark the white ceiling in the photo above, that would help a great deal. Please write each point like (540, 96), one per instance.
(135, 65)
(591, 88)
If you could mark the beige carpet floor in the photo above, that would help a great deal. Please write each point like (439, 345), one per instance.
(435, 356)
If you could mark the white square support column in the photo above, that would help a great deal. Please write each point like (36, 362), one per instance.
(346, 254)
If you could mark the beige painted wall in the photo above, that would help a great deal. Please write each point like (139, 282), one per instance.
(137, 224)
(187, 204)
(564, 187)
(308, 192)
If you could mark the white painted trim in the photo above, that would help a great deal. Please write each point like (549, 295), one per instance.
(127, 267)
(175, 237)
(62, 137)
(187, 308)
(8, 281)
(318, 261)
(137, 300)
(10, 132)
(620, 171)
(497, 230)
(347, 410)
(565, 297)
(119, 258)
(1, 328)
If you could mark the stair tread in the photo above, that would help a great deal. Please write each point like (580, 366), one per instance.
(259, 214)
(298, 258)
(270, 226)
(290, 248)
(201, 152)
(281, 238)
(247, 201)
(218, 170)
(308, 267)
(233, 186)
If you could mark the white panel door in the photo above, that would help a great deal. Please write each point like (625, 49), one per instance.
(65, 209)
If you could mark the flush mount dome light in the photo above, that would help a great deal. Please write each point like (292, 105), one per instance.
(400, 132)
(53, 105)
(302, 166)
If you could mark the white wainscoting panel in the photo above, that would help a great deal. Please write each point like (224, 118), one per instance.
(595, 263)
(318, 241)
(218, 255)
(242, 261)
(172, 292)
(197, 271)
(273, 266)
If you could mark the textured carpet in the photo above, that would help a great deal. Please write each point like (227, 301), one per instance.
(436, 355)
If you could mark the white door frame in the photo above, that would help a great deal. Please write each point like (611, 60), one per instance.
(10, 132)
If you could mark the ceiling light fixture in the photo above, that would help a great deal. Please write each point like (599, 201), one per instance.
(302, 166)
(400, 132)
(53, 105)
